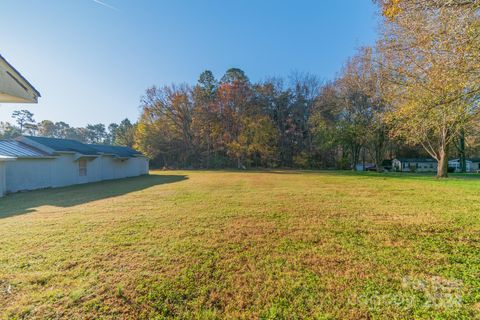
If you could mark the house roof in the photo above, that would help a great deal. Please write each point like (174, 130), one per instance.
(64, 145)
(458, 160)
(119, 151)
(17, 149)
(416, 160)
(14, 87)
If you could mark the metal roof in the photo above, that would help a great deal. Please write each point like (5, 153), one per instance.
(416, 160)
(458, 160)
(17, 149)
(119, 151)
(64, 145)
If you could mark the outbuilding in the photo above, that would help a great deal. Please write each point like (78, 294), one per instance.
(30, 163)
(414, 165)
(456, 165)
(475, 164)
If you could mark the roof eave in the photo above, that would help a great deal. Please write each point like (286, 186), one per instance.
(5, 159)
(37, 93)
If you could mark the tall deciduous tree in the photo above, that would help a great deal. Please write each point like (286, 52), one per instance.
(363, 80)
(432, 56)
(167, 111)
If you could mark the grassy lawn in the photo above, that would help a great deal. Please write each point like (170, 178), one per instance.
(270, 245)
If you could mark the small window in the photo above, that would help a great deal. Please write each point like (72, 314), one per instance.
(82, 167)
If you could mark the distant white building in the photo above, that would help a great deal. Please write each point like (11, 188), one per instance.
(30, 163)
(475, 165)
(414, 165)
(457, 166)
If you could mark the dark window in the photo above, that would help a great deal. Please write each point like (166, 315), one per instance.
(82, 167)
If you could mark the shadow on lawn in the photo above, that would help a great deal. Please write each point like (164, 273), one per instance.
(26, 202)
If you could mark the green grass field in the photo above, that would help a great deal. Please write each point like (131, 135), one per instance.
(269, 245)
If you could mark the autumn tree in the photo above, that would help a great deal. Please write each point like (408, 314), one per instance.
(232, 104)
(304, 89)
(326, 135)
(167, 115)
(362, 85)
(275, 100)
(204, 119)
(431, 52)
(392, 8)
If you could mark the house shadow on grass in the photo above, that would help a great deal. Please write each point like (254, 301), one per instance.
(26, 202)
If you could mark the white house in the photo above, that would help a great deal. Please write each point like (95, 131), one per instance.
(30, 163)
(414, 165)
(14, 88)
(455, 164)
(475, 165)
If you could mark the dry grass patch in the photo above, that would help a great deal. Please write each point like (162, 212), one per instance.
(270, 245)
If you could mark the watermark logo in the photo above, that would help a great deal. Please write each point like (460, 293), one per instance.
(432, 293)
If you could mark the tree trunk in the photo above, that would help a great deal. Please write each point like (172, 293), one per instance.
(363, 160)
(165, 165)
(355, 150)
(462, 158)
(442, 169)
(380, 149)
(378, 165)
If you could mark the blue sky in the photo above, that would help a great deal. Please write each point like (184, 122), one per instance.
(92, 63)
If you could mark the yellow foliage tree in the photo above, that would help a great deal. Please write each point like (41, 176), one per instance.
(431, 57)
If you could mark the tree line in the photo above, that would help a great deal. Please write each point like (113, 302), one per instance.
(415, 92)
(299, 122)
(122, 133)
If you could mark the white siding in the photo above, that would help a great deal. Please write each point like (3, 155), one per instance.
(143, 165)
(3, 180)
(418, 166)
(475, 166)
(94, 168)
(107, 167)
(28, 174)
(426, 167)
(64, 171)
(458, 166)
(31, 174)
(112, 168)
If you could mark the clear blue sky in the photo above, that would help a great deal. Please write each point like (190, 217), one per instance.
(92, 63)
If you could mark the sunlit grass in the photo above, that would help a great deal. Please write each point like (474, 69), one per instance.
(272, 245)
